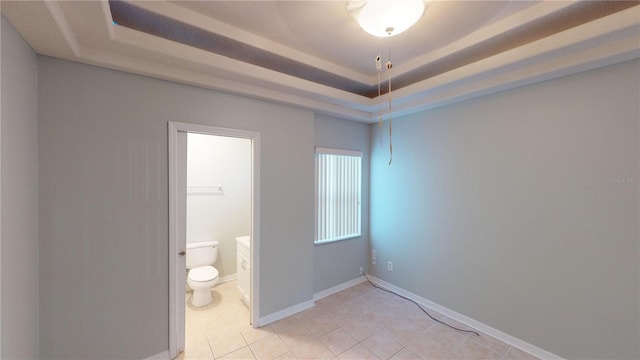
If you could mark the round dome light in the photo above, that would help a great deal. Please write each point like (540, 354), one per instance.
(385, 18)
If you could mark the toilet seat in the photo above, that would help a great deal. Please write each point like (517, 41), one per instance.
(203, 274)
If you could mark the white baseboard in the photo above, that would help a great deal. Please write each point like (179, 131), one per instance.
(308, 304)
(506, 338)
(477, 325)
(161, 356)
(265, 320)
(338, 288)
(227, 278)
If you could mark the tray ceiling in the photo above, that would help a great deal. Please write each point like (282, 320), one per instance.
(313, 54)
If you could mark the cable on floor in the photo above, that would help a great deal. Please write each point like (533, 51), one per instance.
(419, 307)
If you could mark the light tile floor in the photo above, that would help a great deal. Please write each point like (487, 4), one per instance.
(361, 322)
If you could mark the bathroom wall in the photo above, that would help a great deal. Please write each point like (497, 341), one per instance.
(19, 295)
(339, 262)
(104, 204)
(219, 214)
(521, 210)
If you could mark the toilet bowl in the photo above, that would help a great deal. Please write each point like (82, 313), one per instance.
(201, 280)
(202, 276)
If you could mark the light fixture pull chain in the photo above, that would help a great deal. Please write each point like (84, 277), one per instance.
(379, 70)
(389, 66)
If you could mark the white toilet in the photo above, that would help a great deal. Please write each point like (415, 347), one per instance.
(202, 276)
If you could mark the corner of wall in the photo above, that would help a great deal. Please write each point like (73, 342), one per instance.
(19, 237)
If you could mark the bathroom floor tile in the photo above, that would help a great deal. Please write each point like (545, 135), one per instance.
(269, 348)
(240, 354)
(252, 335)
(212, 332)
(287, 356)
(197, 351)
(227, 343)
(193, 336)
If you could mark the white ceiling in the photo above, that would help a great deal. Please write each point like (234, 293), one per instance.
(313, 54)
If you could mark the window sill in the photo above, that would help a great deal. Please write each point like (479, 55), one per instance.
(329, 241)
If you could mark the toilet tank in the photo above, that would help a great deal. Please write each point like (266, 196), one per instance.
(203, 253)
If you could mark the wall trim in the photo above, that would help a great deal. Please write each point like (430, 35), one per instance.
(477, 325)
(227, 278)
(159, 356)
(279, 315)
(330, 291)
(177, 208)
(265, 320)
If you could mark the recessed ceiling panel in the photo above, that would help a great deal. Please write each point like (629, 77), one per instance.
(312, 54)
(336, 37)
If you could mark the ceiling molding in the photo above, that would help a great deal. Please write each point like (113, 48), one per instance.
(184, 15)
(63, 25)
(605, 40)
(510, 23)
(538, 57)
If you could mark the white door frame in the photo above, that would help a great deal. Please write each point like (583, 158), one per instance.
(177, 231)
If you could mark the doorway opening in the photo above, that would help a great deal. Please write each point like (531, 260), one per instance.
(213, 201)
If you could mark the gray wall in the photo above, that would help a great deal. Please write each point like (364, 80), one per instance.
(19, 222)
(521, 210)
(104, 206)
(339, 262)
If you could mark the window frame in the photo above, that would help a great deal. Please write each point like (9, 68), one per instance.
(337, 152)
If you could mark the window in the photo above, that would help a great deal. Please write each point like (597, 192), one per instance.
(337, 194)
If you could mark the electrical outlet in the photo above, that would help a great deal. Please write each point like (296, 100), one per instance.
(361, 270)
(390, 265)
(373, 256)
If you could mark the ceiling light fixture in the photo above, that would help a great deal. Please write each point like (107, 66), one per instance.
(386, 18)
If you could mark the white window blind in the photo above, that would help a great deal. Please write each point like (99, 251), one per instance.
(338, 183)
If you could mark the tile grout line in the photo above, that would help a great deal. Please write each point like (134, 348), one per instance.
(343, 301)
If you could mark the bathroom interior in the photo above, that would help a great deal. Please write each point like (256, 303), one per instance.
(217, 233)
